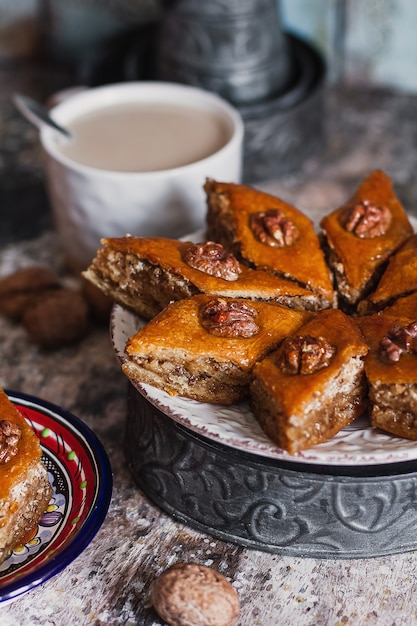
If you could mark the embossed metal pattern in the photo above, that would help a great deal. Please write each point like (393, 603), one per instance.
(237, 49)
(261, 503)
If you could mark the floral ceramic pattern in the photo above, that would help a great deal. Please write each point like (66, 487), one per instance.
(80, 475)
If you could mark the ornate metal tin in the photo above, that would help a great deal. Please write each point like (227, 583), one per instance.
(271, 505)
(236, 48)
(284, 131)
(284, 120)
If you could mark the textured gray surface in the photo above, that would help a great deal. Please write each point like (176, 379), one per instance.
(109, 582)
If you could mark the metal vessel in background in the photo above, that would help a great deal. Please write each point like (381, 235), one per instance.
(236, 48)
(239, 49)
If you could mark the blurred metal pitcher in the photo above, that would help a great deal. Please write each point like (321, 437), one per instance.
(236, 48)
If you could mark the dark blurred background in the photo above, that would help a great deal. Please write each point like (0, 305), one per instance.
(330, 59)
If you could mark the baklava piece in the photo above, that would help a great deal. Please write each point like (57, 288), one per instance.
(403, 308)
(399, 279)
(313, 385)
(391, 371)
(267, 233)
(204, 347)
(361, 235)
(146, 274)
(25, 490)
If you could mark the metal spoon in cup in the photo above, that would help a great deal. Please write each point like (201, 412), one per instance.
(37, 114)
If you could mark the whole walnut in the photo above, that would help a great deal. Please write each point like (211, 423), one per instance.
(190, 594)
(58, 319)
(99, 303)
(20, 289)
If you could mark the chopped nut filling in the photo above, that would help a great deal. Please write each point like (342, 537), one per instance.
(367, 220)
(399, 340)
(211, 258)
(273, 228)
(304, 354)
(10, 434)
(229, 318)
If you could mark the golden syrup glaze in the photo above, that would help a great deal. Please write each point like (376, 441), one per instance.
(403, 308)
(374, 328)
(361, 257)
(29, 450)
(297, 391)
(178, 329)
(303, 261)
(400, 277)
(168, 254)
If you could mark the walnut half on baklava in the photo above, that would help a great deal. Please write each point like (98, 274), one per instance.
(204, 347)
(25, 490)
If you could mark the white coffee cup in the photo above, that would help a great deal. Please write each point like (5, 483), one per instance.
(90, 203)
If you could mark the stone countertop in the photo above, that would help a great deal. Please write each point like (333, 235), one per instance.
(109, 582)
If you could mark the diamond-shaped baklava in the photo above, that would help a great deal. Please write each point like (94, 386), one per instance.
(361, 235)
(205, 347)
(267, 233)
(146, 274)
(313, 385)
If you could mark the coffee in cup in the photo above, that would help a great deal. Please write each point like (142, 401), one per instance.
(137, 163)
